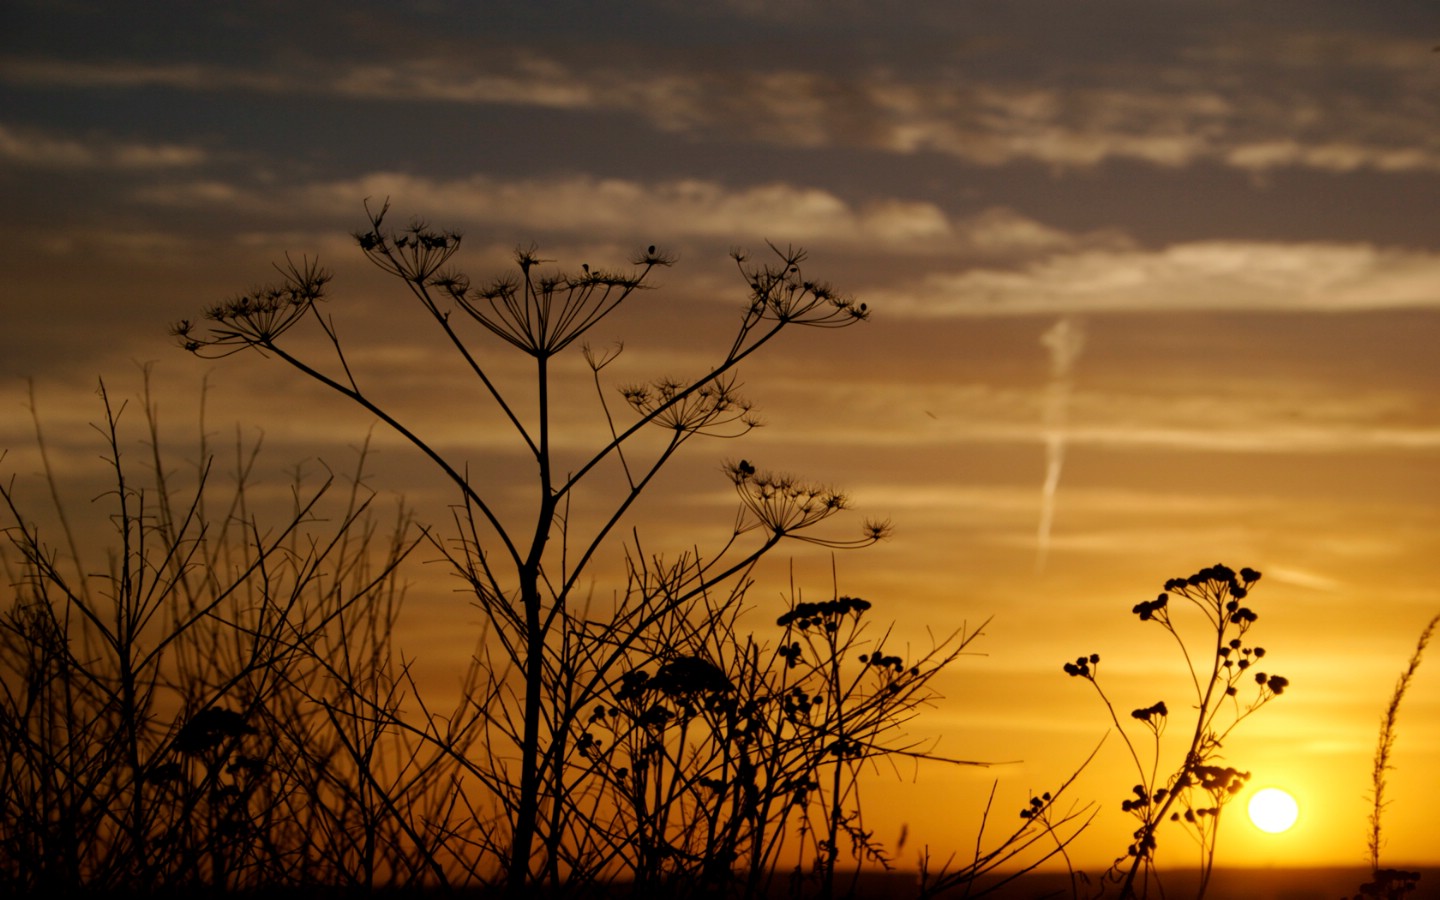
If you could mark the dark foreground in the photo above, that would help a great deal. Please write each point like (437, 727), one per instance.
(1231, 884)
(1338, 883)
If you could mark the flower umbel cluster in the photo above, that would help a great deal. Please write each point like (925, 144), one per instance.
(413, 254)
(782, 506)
(779, 291)
(543, 313)
(259, 316)
(824, 614)
(1216, 590)
(1083, 666)
(712, 408)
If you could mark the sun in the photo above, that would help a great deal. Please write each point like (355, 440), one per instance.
(1273, 810)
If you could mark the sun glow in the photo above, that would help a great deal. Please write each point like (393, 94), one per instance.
(1273, 810)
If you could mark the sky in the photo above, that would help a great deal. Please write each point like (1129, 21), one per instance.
(1153, 285)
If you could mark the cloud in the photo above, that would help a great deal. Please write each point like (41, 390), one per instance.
(1332, 157)
(33, 148)
(126, 74)
(1247, 107)
(670, 210)
(1200, 275)
(526, 81)
(1244, 413)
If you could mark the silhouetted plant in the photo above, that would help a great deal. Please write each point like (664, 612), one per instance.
(1195, 792)
(163, 722)
(1388, 884)
(992, 868)
(722, 757)
(1385, 882)
(556, 672)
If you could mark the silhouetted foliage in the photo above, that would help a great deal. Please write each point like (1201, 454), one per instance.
(1388, 884)
(650, 742)
(1195, 792)
(176, 721)
(223, 710)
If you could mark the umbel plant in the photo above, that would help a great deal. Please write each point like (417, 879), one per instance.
(1226, 669)
(642, 738)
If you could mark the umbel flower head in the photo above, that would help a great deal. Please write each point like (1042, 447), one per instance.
(259, 316)
(540, 313)
(414, 253)
(780, 291)
(782, 506)
(1217, 590)
(543, 313)
(713, 408)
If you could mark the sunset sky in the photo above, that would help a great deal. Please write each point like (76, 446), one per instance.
(1154, 285)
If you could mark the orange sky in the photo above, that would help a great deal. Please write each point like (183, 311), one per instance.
(1232, 209)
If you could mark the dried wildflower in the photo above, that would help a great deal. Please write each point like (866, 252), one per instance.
(711, 407)
(1147, 610)
(1151, 713)
(780, 292)
(1037, 806)
(1217, 591)
(806, 614)
(259, 316)
(210, 728)
(686, 675)
(544, 314)
(1082, 666)
(415, 253)
(782, 505)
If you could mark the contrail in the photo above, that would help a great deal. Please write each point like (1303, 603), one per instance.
(1064, 340)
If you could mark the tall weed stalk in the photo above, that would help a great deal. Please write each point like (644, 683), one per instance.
(1385, 882)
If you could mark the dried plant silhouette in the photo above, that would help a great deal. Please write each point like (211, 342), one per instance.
(1194, 791)
(221, 707)
(1386, 882)
(644, 739)
(183, 715)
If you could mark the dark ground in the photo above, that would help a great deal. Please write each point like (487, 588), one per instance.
(1338, 883)
(1232, 884)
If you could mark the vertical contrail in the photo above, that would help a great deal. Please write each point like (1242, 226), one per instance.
(1064, 340)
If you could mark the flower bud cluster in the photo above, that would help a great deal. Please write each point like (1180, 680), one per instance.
(1215, 579)
(1150, 609)
(1150, 713)
(1037, 806)
(1143, 800)
(1274, 684)
(797, 703)
(1221, 780)
(823, 614)
(1083, 666)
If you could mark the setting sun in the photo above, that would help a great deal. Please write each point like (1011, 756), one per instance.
(1273, 810)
